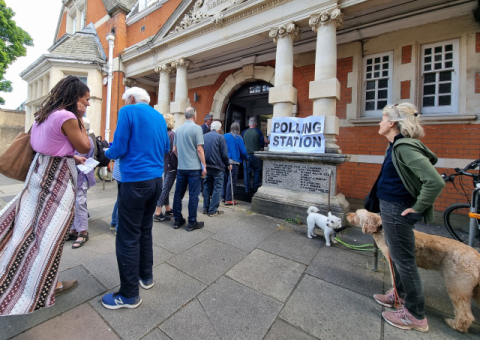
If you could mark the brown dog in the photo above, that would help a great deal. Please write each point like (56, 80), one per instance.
(458, 263)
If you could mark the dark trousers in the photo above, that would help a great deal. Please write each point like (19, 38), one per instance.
(400, 240)
(213, 185)
(254, 164)
(227, 185)
(136, 205)
(167, 186)
(190, 178)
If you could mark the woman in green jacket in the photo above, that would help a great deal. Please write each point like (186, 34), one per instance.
(408, 185)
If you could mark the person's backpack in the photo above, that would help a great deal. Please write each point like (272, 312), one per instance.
(100, 153)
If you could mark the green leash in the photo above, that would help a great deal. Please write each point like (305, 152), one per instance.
(363, 247)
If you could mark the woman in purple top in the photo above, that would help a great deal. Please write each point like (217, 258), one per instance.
(35, 224)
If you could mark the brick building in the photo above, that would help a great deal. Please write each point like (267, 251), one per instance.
(236, 59)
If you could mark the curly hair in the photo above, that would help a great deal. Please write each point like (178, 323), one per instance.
(170, 119)
(64, 96)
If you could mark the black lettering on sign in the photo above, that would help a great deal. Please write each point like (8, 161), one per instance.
(275, 126)
(275, 141)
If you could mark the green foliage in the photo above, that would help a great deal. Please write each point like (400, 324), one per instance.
(297, 220)
(13, 44)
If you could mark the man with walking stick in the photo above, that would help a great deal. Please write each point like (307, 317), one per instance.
(236, 152)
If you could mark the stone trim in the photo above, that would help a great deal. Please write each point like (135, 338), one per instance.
(449, 163)
(428, 120)
(334, 16)
(233, 82)
(282, 31)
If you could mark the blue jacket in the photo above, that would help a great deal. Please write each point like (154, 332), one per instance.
(236, 147)
(216, 153)
(140, 142)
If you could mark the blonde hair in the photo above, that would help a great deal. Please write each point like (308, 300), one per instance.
(406, 118)
(170, 119)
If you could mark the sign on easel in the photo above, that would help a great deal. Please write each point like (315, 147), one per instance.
(291, 134)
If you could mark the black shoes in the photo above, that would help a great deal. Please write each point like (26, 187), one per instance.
(178, 224)
(196, 225)
(216, 213)
(205, 212)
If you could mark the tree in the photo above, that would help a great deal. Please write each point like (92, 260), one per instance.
(13, 44)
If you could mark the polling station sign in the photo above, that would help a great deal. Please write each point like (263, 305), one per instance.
(291, 134)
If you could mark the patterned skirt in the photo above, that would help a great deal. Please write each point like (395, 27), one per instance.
(33, 230)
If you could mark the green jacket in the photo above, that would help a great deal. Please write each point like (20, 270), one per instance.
(414, 163)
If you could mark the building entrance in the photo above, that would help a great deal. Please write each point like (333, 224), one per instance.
(250, 100)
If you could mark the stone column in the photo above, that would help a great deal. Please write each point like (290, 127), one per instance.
(325, 89)
(283, 96)
(163, 105)
(178, 107)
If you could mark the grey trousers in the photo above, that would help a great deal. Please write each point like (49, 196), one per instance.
(400, 240)
(80, 223)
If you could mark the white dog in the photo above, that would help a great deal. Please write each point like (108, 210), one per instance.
(328, 223)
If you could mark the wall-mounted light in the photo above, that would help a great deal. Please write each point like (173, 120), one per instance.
(195, 97)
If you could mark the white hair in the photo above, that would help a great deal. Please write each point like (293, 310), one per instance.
(252, 121)
(216, 126)
(139, 94)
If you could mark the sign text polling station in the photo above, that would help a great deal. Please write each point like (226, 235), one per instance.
(291, 134)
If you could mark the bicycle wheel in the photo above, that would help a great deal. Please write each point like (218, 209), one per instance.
(104, 172)
(457, 222)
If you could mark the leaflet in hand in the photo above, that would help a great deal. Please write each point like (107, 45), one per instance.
(89, 165)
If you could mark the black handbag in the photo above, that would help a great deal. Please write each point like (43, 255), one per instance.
(372, 203)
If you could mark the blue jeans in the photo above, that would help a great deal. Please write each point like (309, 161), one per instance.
(190, 178)
(400, 240)
(227, 185)
(134, 245)
(115, 212)
(253, 164)
(213, 185)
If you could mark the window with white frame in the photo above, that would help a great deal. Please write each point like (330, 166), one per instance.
(440, 77)
(377, 80)
(82, 19)
(142, 4)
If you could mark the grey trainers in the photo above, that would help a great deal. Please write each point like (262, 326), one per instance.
(403, 319)
(216, 213)
(387, 300)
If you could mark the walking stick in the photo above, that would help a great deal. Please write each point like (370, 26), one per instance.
(231, 185)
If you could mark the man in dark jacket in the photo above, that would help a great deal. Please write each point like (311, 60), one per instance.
(208, 123)
(216, 158)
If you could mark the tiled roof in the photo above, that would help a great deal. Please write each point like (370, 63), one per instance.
(84, 44)
(111, 4)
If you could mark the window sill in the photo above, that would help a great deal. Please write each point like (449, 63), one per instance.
(426, 119)
(152, 8)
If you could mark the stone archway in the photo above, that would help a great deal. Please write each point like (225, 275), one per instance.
(234, 81)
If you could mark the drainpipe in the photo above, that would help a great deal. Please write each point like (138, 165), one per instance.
(111, 44)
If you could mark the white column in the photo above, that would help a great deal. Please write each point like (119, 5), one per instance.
(111, 44)
(325, 89)
(283, 96)
(163, 105)
(178, 107)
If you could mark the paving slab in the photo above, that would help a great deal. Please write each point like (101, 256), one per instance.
(327, 311)
(156, 334)
(281, 330)
(80, 323)
(87, 288)
(268, 274)
(354, 236)
(438, 330)
(246, 235)
(190, 322)
(292, 245)
(12, 189)
(207, 261)
(171, 291)
(95, 248)
(238, 312)
(176, 240)
(98, 227)
(105, 268)
(219, 223)
(348, 270)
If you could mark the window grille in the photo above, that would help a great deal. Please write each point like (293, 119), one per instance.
(377, 77)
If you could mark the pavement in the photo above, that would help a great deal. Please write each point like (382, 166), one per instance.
(243, 276)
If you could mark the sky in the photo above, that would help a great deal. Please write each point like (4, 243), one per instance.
(39, 18)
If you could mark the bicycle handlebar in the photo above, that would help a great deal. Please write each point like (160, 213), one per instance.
(459, 172)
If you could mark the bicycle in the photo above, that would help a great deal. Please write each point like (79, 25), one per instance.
(105, 172)
(460, 215)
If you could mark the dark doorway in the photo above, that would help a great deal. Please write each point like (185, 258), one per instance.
(250, 100)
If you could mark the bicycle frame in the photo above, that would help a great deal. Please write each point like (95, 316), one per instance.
(473, 213)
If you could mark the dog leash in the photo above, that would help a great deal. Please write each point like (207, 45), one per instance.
(363, 247)
(398, 304)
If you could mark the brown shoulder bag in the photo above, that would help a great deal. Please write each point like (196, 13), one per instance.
(16, 160)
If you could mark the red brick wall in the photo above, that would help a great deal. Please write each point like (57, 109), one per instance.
(118, 89)
(95, 11)
(152, 22)
(344, 67)
(477, 43)
(63, 26)
(405, 89)
(407, 54)
(117, 22)
(477, 82)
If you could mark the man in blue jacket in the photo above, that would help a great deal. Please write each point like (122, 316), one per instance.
(140, 142)
(216, 157)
